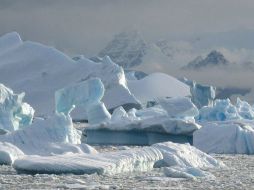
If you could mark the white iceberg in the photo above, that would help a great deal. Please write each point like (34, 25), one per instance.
(47, 70)
(14, 113)
(201, 95)
(86, 95)
(171, 120)
(225, 137)
(223, 110)
(137, 159)
(150, 87)
(98, 113)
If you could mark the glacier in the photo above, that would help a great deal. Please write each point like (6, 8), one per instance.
(14, 113)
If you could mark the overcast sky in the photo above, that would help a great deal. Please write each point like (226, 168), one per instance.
(84, 26)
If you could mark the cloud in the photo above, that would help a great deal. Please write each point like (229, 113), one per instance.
(84, 26)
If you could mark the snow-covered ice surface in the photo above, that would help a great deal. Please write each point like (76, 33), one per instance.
(238, 175)
(150, 87)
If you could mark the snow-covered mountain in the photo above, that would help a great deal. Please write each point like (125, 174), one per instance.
(126, 49)
(213, 59)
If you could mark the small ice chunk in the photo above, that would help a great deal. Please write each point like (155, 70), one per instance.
(9, 153)
(186, 172)
(119, 114)
(201, 95)
(97, 113)
(185, 155)
(14, 113)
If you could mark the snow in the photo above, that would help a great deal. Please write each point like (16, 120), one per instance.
(225, 137)
(14, 113)
(45, 70)
(150, 87)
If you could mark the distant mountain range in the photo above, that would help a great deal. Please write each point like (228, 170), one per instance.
(213, 59)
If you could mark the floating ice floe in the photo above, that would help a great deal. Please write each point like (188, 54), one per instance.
(223, 110)
(172, 119)
(14, 113)
(48, 70)
(137, 159)
(225, 137)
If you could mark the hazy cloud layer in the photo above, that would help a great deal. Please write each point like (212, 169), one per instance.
(83, 26)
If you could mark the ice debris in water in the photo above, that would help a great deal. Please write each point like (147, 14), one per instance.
(223, 110)
(14, 113)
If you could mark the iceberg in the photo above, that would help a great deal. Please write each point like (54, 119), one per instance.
(48, 70)
(82, 94)
(14, 113)
(86, 95)
(148, 125)
(149, 88)
(98, 113)
(201, 95)
(110, 163)
(223, 110)
(225, 137)
(55, 135)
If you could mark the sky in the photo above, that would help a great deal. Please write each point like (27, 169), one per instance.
(84, 26)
